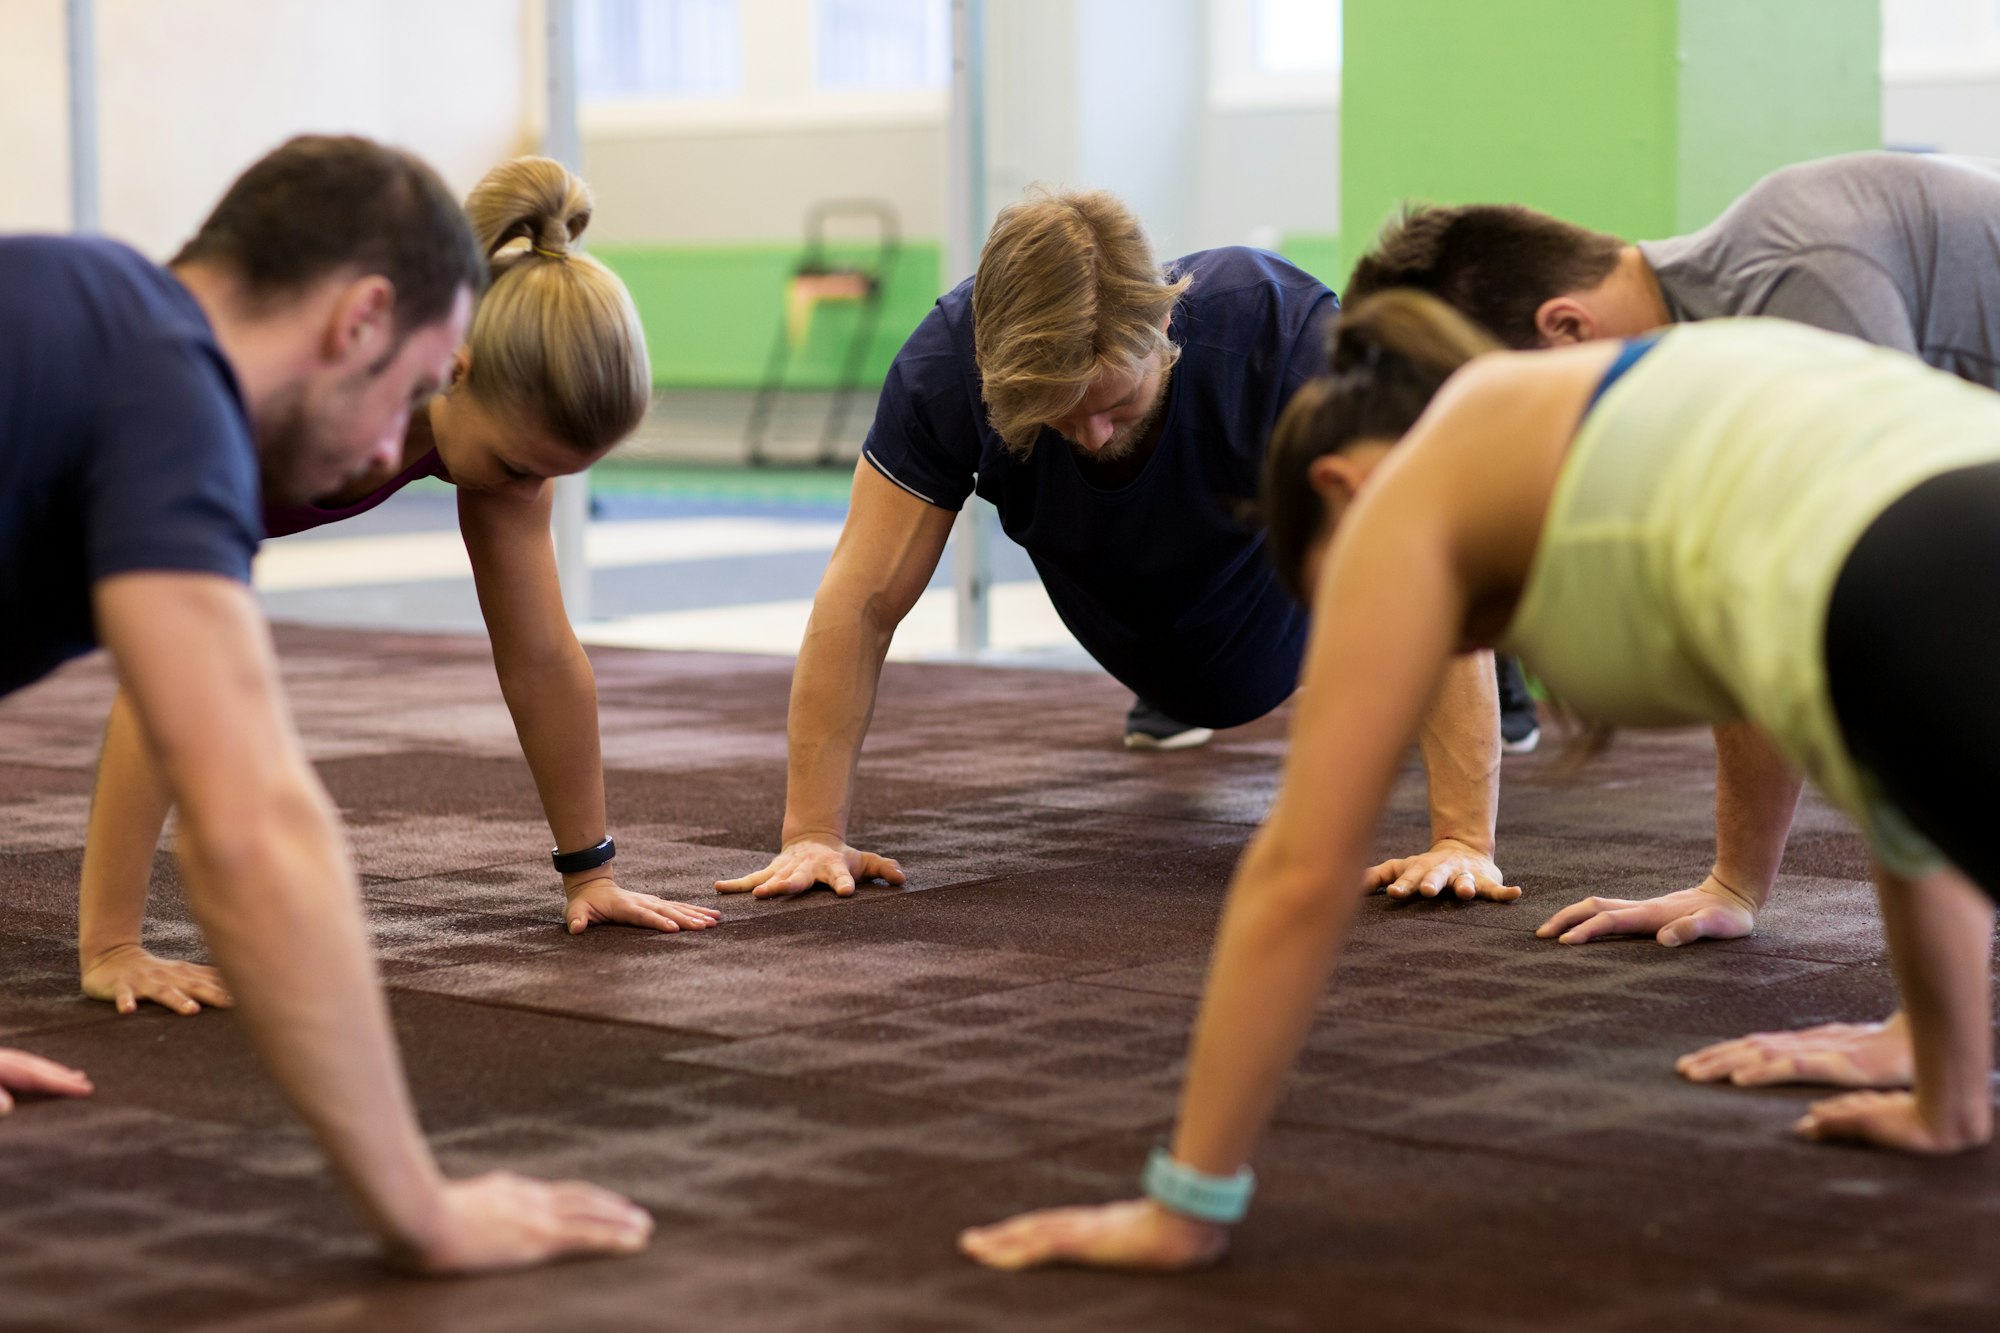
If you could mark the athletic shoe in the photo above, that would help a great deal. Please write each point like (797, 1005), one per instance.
(1147, 728)
(1520, 723)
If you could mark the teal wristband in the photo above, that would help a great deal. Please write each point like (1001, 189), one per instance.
(1221, 1200)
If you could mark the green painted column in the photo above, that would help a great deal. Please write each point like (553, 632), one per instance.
(1643, 118)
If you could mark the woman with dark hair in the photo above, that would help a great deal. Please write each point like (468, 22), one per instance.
(1732, 520)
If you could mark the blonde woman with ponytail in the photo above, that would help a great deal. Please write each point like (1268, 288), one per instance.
(552, 374)
(1731, 521)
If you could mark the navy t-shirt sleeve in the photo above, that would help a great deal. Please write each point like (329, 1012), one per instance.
(926, 436)
(173, 482)
(1308, 356)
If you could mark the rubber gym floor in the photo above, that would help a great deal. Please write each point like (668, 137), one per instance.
(1485, 1132)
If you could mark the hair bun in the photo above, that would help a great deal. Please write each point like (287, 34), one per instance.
(536, 200)
(1403, 325)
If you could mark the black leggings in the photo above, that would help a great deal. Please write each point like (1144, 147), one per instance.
(1913, 662)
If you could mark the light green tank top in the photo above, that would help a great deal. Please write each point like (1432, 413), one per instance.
(1699, 523)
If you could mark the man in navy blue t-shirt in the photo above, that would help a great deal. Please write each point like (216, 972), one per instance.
(145, 415)
(1116, 414)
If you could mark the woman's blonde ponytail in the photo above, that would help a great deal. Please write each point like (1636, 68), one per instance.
(557, 337)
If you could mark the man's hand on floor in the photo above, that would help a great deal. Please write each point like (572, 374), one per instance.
(806, 861)
(22, 1072)
(128, 974)
(1450, 864)
(1841, 1055)
(1709, 911)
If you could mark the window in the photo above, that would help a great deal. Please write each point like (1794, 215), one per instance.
(1295, 36)
(658, 49)
(649, 67)
(883, 45)
(1274, 53)
(1940, 38)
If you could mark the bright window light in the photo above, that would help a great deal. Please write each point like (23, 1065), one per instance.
(630, 50)
(1922, 37)
(883, 45)
(1296, 36)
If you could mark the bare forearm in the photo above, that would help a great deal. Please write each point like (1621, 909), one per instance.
(1280, 933)
(1756, 794)
(832, 704)
(284, 923)
(127, 810)
(1940, 932)
(1460, 740)
(553, 699)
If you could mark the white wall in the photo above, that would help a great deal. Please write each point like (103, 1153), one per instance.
(1089, 93)
(192, 91)
(1106, 93)
(695, 186)
(1953, 114)
(1265, 170)
(34, 113)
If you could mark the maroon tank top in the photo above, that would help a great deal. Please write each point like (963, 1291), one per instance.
(283, 521)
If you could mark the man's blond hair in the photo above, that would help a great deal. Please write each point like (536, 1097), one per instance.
(1067, 288)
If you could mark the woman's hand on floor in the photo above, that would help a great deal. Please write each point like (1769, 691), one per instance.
(1892, 1120)
(1709, 911)
(22, 1072)
(1841, 1055)
(500, 1220)
(1135, 1234)
(601, 901)
(806, 861)
(127, 975)
(1460, 867)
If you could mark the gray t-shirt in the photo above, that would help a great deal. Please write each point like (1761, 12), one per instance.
(1898, 249)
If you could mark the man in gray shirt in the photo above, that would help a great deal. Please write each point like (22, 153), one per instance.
(1896, 249)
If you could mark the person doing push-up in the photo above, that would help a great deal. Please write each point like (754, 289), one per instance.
(1734, 521)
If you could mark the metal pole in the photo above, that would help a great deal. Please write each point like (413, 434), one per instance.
(82, 40)
(971, 563)
(564, 143)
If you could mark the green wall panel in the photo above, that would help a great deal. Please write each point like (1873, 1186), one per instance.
(1317, 253)
(1768, 83)
(712, 312)
(1643, 118)
(1561, 104)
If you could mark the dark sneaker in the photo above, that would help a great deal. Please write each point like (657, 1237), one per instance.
(1520, 723)
(1147, 728)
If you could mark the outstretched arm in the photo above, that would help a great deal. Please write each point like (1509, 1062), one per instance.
(888, 550)
(1295, 891)
(1460, 741)
(1756, 795)
(127, 811)
(552, 694)
(1940, 931)
(269, 880)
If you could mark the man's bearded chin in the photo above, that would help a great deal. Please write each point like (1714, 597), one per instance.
(289, 456)
(282, 443)
(1126, 439)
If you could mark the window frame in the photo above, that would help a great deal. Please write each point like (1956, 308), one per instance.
(779, 91)
(1235, 83)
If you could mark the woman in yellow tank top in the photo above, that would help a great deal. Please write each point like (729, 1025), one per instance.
(1736, 520)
